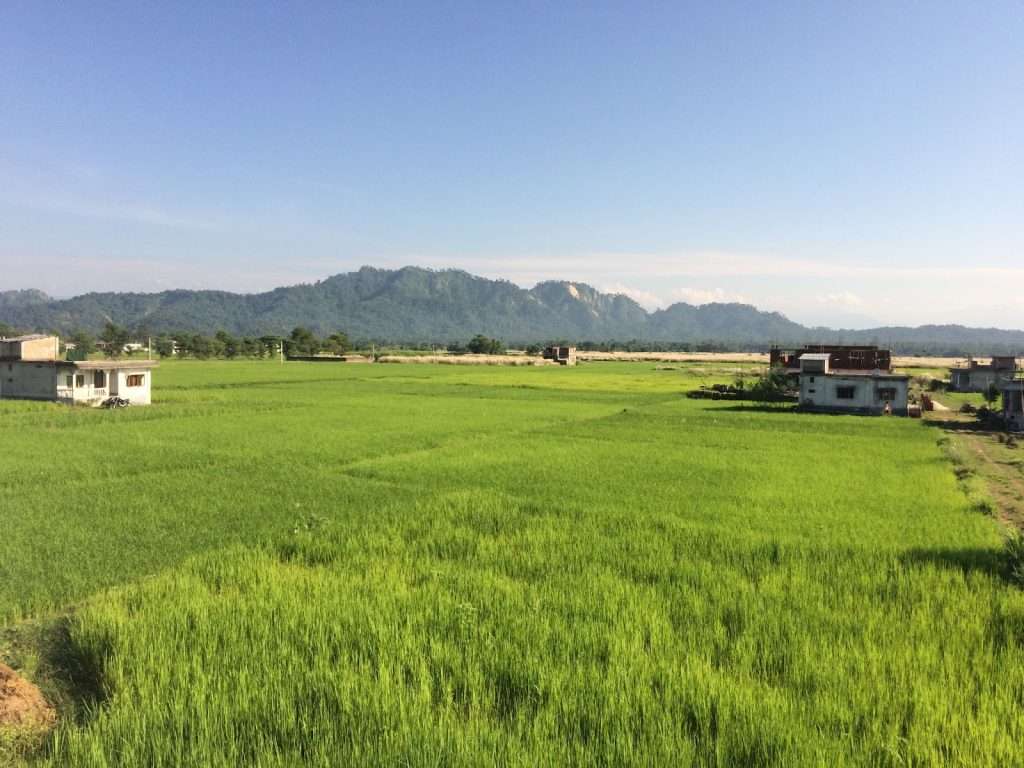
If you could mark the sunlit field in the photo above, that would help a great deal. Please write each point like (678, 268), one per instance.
(323, 565)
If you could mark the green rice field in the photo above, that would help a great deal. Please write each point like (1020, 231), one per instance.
(396, 565)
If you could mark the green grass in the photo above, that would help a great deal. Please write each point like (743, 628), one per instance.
(432, 565)
(954, 400)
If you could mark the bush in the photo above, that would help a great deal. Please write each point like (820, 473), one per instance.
(482, 345)
(771, 387)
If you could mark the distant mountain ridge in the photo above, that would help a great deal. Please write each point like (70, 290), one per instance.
(15, 299)
(413, 304)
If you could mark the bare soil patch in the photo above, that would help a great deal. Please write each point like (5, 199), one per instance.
(22, 704)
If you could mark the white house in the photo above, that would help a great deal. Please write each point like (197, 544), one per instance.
(870, 392)
(31, 369)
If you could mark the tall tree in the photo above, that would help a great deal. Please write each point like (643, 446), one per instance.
(114, 337)
(301, 342)
(337, 343)
(85, 343)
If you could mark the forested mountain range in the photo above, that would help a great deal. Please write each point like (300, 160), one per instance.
(421, 305)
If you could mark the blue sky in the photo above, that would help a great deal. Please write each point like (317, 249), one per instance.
(845, 163)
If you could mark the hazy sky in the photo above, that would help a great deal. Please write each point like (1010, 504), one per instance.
(844, 163)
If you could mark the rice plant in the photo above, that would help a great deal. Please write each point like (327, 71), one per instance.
(380, 565)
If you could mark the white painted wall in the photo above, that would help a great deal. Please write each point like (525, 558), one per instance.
(134, 395)
(817, 391)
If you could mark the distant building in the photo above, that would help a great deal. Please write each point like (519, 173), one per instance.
(980, 377)
(823, 388)
(31, 369)
(561, 355)
(1013, 405)
(841, 357)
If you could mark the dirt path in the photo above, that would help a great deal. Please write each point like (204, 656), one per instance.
(1003, 473)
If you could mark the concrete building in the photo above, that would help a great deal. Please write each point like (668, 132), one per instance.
(31, 369)
(561, 355)
(35, 347)
(841, 356)
(975, 376)
(1013, 405)
(823, 388)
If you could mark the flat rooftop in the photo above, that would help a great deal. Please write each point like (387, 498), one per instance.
(857, 374)
(91, 365)
(29, 337)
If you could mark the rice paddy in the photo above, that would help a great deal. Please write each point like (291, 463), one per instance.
(324, 565)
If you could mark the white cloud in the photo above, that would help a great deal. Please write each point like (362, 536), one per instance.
(844, 299)
(708, 296)
(645, 299)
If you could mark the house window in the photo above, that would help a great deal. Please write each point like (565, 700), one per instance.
(846, 393)
(99, 379)
(811, 391)
(80, 380)
(69, 382)
(887, 393)
(812, 379)
(134, 380)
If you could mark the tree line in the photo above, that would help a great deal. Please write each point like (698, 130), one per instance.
(115, 341)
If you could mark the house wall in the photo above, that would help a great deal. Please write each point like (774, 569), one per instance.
(1013, 409)
(977, 380)
(28, 381)
(134, 395)
(821, 392)
(41, 349)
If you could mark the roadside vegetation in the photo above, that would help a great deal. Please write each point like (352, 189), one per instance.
(378, 565)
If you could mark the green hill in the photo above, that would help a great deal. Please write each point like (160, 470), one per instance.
(421, 305)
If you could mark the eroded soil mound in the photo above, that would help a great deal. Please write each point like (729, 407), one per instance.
(21, 703)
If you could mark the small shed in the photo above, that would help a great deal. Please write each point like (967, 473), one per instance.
(561, 355)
